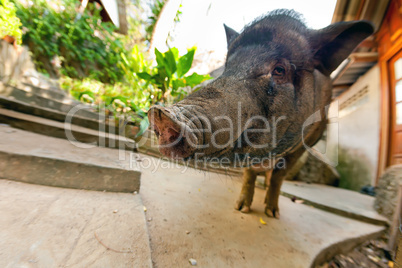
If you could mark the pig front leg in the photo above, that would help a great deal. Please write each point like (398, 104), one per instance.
(273, 192)
(278, 176)
(247, 192)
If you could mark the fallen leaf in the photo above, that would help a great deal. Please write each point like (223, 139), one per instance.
(374, 259)
(262, 221)
(391, 264)
(145, 209)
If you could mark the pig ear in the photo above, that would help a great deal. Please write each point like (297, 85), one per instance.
(334, 43)
(230, 34)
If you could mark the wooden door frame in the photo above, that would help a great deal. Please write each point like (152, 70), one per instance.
(385, 117)
(393, 116)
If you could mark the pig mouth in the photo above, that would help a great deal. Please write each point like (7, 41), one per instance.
(179, 136)
(176, 139)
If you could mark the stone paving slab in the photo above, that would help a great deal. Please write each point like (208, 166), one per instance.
(181, 200)
(43, 226)
(341, 201)
(33, 158)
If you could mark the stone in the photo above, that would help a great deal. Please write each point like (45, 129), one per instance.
(387, 191)
(316, 171)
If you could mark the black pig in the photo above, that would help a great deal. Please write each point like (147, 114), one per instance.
(276, 76)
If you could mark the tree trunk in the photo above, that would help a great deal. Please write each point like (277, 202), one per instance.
(164, 25)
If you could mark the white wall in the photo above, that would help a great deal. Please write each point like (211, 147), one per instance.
(359, 117)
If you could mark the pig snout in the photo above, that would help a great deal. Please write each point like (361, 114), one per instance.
(175, 133)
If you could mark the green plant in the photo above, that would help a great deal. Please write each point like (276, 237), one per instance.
(168, 77)
(86, 46)
(354, 169)
(144, 85)
(10, 24)
(120, 100)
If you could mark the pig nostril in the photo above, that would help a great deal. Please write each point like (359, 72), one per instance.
(156, 130)
(173, 135)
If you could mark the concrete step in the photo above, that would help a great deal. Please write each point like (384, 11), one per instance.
(38, 159)
(50, 93)
(343, 202)
(65, 131)
(26, 108)
(44, 226)
(65, 105)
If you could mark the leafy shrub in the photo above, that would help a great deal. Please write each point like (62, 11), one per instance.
(86, 46)
(119, 100)
(9, 22)
(144, 85)
(169, 75)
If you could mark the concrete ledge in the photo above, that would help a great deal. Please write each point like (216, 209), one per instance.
(38, 159)
(22, 107)
(67, 174)
(57, 129)
(343, 202)
(51, 93)
(62, 106)
(343, 247)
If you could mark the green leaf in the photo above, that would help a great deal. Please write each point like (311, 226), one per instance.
(144, 75)
(185, 63)
(195, 79)
(170, 62)
(144, 124)
(176, 84)
(159, 58)
(175, 52)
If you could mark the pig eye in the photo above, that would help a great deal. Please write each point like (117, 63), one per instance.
(278, 71)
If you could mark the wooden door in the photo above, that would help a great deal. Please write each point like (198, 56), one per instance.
(395, 150)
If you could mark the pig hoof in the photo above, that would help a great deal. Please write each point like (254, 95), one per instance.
(241, 205)
(272, 212)
(245, 209)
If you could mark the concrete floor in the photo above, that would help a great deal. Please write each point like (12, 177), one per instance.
(189, 214)
(202, 204)
(42, 226)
